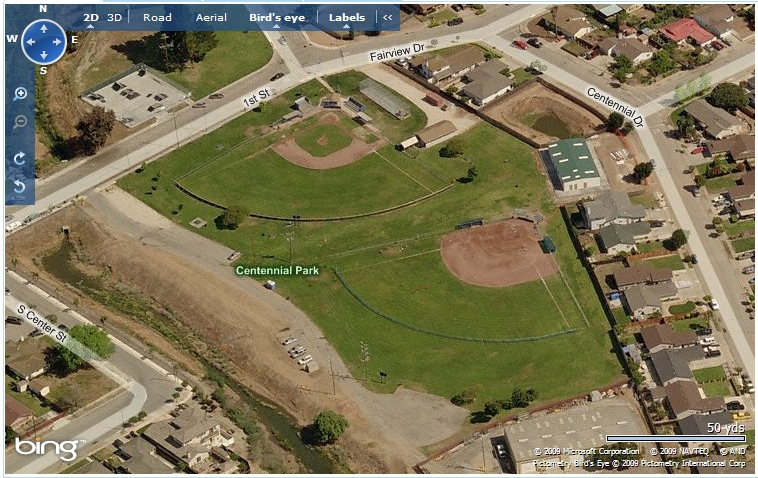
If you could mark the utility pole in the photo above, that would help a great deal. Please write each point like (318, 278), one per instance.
(334, 383)
(252, 249)
(290, 239)
(484, 457)
(365, 357)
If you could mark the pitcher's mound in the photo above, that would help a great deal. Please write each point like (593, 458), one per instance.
(496, 255)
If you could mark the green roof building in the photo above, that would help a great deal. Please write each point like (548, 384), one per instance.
(574, 165)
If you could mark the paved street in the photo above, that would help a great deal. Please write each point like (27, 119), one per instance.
(147, 392)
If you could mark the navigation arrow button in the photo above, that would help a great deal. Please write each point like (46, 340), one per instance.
(276, 25)
(31, 42)
(90, 26)
(57, 42)
(43, 55)
(20, 186)
(43, 28)
(387, 17)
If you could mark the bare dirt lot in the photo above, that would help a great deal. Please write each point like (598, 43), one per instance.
(496, 255)
(357, 149)
(239, 322)
(521, 108)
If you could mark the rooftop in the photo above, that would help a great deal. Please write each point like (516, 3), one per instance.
(613, 205)
(664, 334)
(15, 410)
(572, 160)
(714, 119)
(25, 357)
(671, 364)
(436, 131)
(739, 147)
(569, 19)
(641, 273)
(698, 424)
(615, 234)
(684, 395)
(686, 28)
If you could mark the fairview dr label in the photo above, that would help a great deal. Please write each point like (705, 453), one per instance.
(256, 271)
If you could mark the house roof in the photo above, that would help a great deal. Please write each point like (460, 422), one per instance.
(483, 72)
(569, 19)
(456, 60)
(698, 424)
(572, 160)
(640, 296)
(741, 191)
(686, 28)
(748, 177)
(93, 468)
(745, 207)
(684, 395)
(675, 363)
(25, 357)
(143, 460)
(640, 274)
(15, 410)
(631, 48)
(717, 16)
(436, 131)
(191, 423)
(714, 119)
(615, 234)
(607, 10)
(739, 147)
(486, 80)
(664, 334)
(613, 205)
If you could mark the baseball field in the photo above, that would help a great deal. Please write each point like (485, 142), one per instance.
(441, 309)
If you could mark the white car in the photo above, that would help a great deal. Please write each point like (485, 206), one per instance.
(500, 450)
(289, 340)
(714, 304)
(304, 360)
(297, 353)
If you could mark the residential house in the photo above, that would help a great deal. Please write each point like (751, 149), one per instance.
(485, 83)
(607, 12)
(697, 424)
(631, 48)
(93, 468)
(422, 9)
(612, 207)
(745, 189)
(333, 100)
(188, 437)
(631, 7)
(683, 399)
(642, 301)
(716, 122)
(41, 386)
(738, 148)
(573, 164)
(617, 238)
(673, 365)
(686, 30)
(437, 67)
(25, 359)
(435, 133)
(663, 336)
(141, 458)
(16, 413)
(717, 18)
(569, 22)
(641, 274)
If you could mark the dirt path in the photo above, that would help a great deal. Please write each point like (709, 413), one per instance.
(388, 429)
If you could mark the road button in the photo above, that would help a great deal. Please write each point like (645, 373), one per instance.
(43, 42)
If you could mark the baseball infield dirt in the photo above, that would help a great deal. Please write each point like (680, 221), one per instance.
(496, 255)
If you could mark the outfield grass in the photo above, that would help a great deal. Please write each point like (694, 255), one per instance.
(394, 129)
(332, 137)
(237, 54)
(717, 389)
(710, 373)
(734, 230)
(374, 254)
(673, 262)
(744, 244)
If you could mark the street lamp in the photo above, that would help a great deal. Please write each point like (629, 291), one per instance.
(365, 357)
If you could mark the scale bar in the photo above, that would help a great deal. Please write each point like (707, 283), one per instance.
(676, 438)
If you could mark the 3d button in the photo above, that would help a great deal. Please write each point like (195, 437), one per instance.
(43, 42)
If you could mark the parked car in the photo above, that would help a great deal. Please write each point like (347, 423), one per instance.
(751, 280)
(199, 105)
(520, 44)
(14, 320)
(698, 150)
(457, 7)
(282, 40)
(713, 353)
(704, 331)
(500, 449)
(289, 340)
(277, 76)
(298, 353)
(707, 340)
(718, 46)
(216, 96)
(735, 405)
(693, 259)
(714, 304)
(9, 218)
(535, 42)
(295, 349)
(62, 327)
(304, 360)
(455, 21)
(35, 333)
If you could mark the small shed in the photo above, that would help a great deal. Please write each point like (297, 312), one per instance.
(434, 99)
(412, 141)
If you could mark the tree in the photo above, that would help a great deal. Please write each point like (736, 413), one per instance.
(10, 434)
(700, 180)
(519, 398)
(728, 96)
(471, 173)
(679, 238)
(660, 63)
(717, 220)
(452, 149)
(466, 397)
(198, 43)
(94, 344)
(615, 121)
(685, 125)
(328, 427)
(491, 408)
(627, 128)
(642, 171)
(622, 67)
(233, 216)
(95, 129)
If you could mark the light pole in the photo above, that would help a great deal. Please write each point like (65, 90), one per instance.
(290, 239)
(365, 357)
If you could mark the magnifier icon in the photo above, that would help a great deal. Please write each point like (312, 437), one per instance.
(20, 93)
(20, 122)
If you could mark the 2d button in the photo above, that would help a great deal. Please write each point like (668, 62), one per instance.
(43, 42)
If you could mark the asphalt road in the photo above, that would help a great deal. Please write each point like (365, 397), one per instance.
(147, 392)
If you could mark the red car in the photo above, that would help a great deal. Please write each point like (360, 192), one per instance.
(520, 44)
(698, 150)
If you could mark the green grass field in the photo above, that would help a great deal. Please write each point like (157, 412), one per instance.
(741, 227)
(323, 139)
(392, 260)
(685, 308)
(717, 389)
(673, 262)
(744, 244)
(689, 324)
(348, 84)
(710, 373)
(650, 246)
